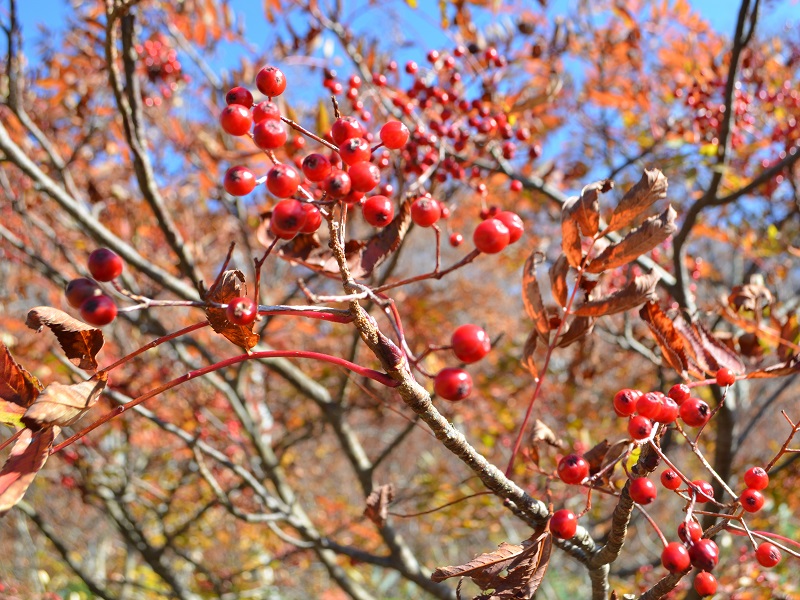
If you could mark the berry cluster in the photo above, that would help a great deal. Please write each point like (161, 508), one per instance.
(85, 294)
(160, 64)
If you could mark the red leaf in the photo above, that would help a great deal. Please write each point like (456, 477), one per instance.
(16, 384)
(27, 458)
(80, 341)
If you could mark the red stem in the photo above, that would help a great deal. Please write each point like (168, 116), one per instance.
(156, 342)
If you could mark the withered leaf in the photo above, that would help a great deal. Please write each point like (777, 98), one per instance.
(639, 241)
(501, 558)
(576, 329)
(751, 297)
(595, 455)
(527, 354)
(641, 289)
(525, 574)
(692, 344)
(790, 332)
(542, 433)
(230, 286)
(62, 405)
(16, 384)
(649, 189)
(27, 458)
(587, 209)
(789, 367)
(668, 339)
(558, 280)
(80, 342)
(615, 452)
(378, 501)
(11, 413)
(718, 353)
(532, 296)
(570, 233)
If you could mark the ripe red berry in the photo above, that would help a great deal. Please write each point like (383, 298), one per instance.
(345, 128)
(679, 392)
(269, 134)
(316, 167)
(514, 223)
(364, 176)
(573, 469)
(313, 218)
(378, 211)
(456, 239)
(669, 411)
(690, 531)
(768, 555)
(337, 184)
(241, 311)
(453, 384)
(625, 402)
(751, 500)
(98, 310)
(703, 490)
(355, 150)
(288, 217)
(649, 405)
(239, 95)
(425, 211)
(266, 110)
(704, 554)
(725, 377)
(491, 236)
(640, 427)
(105, 264)
(670, 479)
(239, 181)
(235, 119)
(79, 290)
(756, 478)
(270, 81)
(563, 524)
(394, 135)
(705, 584)
(515, 186)
(695, 412)
(675, 557)
(282, 181)
(470, 343)
(642, 490)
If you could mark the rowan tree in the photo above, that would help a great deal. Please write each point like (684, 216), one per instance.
(378, 300)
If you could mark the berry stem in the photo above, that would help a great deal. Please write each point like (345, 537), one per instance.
(785, 448)
(432, 275)
(297, 127)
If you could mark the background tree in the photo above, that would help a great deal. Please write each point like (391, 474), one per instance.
(338, 466)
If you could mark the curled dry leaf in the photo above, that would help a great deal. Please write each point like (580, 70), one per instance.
(666, 336)
(532, 296)
(542, 433)
(27, 458)
(527, 354)
(650, 234)
(587, 209)
(642, 289)
(704, 350)
(752, 297)
(481, 565)
(570, 233)
(80, 342)
(378, 501)
(790, 332)
(558, 280)
(230, 286)
(650, 188)
(788, 367)
(576, 329)
(17, 386)
(62, 405)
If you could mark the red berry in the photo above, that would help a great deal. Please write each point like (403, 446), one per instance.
(703, 490)
(642, 490)
(355, 150)
(394, 135)
(705, 584)
(235, 119)
(425, 211)
(640, 427)
(470, 343)
(491, 236)
(337, 184)
(704, 554)
(669, 411)
(345, 128)
(690, 531)
(695, 412)
(679, 392)
(452, 384)
(105, 264)
(313, 218)
(266, 110)
(364, 176)
(433, 56)
(675, 557)
(670, 479)
(282, 181)
(515, 186)
(411, 67)
(316, 167)
(239, 181)
(270, 81)
(456, 239)
(98, 310)
(354, 198)
(514, 223)
(625, 402)
(756, 478)
(563, 524)
(649, 405)
(573, 469)
(751, 500)
(79, 290)
(288, 216)
(768, 555)
(269, 134)
(241, 311)
(239, 95)
(725, 377)
(378, 211)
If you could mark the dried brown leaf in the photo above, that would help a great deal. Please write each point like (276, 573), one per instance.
(576, 329)
(718, 353)
(570, 233)
(11, 413)
(790, 332)
(80, 342)
(639, 241)
(378, 501)
(532, 296)
(502, 556)
(788, 367)
(542, 433)
(693, 345)
(525, 574)
(558, 280)
(650, 188)
(230, 286)
(638, 291)
(587, 209)
(16, 384)
(62, 405)
(527, 354)
(27, 458)
(595, 455)
(616, 451)
(667, 338)
(754, 296)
